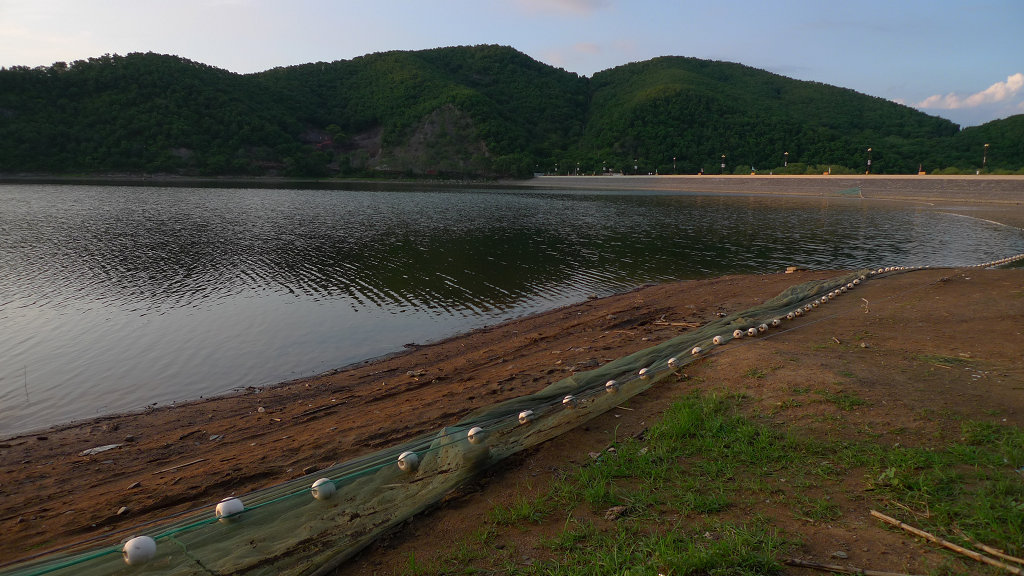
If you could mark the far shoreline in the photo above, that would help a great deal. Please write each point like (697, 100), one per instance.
(974, 188)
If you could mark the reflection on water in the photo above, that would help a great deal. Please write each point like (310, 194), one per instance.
(112, 298)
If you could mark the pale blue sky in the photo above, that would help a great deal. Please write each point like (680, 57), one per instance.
(962, 60)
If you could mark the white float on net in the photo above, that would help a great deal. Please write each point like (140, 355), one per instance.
(324, 488)
(408, 461)
(526, 416)
(476, 435)
(228, 508)
(139, 550)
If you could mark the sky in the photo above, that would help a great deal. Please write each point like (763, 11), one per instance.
(961, 60)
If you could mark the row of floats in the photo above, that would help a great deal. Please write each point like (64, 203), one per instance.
(141, 549)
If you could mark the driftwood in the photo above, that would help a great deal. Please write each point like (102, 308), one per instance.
(947, 544)
(838, 569)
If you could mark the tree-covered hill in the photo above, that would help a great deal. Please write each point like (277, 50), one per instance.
(697, 110)
(482, 110)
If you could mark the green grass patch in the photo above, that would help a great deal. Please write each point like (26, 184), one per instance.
(519, 511)
(685, 485)
(755, 373)
(843, 400)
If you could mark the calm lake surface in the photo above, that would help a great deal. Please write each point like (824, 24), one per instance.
(115, 298)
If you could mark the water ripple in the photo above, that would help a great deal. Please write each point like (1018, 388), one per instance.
(115, 297)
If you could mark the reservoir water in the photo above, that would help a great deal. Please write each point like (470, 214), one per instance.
(116, 298)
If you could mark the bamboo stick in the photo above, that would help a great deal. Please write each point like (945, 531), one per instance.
(960, 549)
(993, 551)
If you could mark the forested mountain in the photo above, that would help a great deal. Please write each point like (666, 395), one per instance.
(480, 111)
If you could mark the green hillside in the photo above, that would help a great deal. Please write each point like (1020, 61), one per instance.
(463, 111)
(697, 110)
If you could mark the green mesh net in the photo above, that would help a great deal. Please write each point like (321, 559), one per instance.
(292, 529)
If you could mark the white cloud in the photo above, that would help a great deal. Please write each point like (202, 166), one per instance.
(997, 92)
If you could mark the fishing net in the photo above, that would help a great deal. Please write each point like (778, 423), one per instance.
(296, 528)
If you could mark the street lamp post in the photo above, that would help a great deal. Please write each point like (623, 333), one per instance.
(785, 159)
(723, 163)
(636, 166)
(984, 157)
(869, 161)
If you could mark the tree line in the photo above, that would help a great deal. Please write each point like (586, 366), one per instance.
(466, 111)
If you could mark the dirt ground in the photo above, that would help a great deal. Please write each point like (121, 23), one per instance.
(874, 344)
(171, 459)
(176, 458)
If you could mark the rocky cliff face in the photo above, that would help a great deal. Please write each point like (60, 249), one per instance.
(445, 141)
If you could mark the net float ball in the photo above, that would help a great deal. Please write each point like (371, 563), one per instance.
(798, 312)
(643, 373)
(824, 300)
(611, 386)
(843, 290)
(526, 416)
(776, 322)
(814, 304)
(409, 461)
(323, 488)
(790, 316)
(849, 286)
(696, 350)
(737, 333)
(139, 550)
(476, 435)
(762, 328)
(751, 331)
(856, 281)
(716, 340)
(672, 363)
(807, 307)
(569, 401)
(228, 508)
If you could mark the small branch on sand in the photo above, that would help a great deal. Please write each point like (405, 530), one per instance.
(179, 466)
(990, 550)
(947, 544)
(838, 569)
(684, 324)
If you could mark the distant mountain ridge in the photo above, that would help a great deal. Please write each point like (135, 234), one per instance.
(466, 111)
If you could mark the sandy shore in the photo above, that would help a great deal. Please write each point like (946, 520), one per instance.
(997, 198)
(176, 458)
